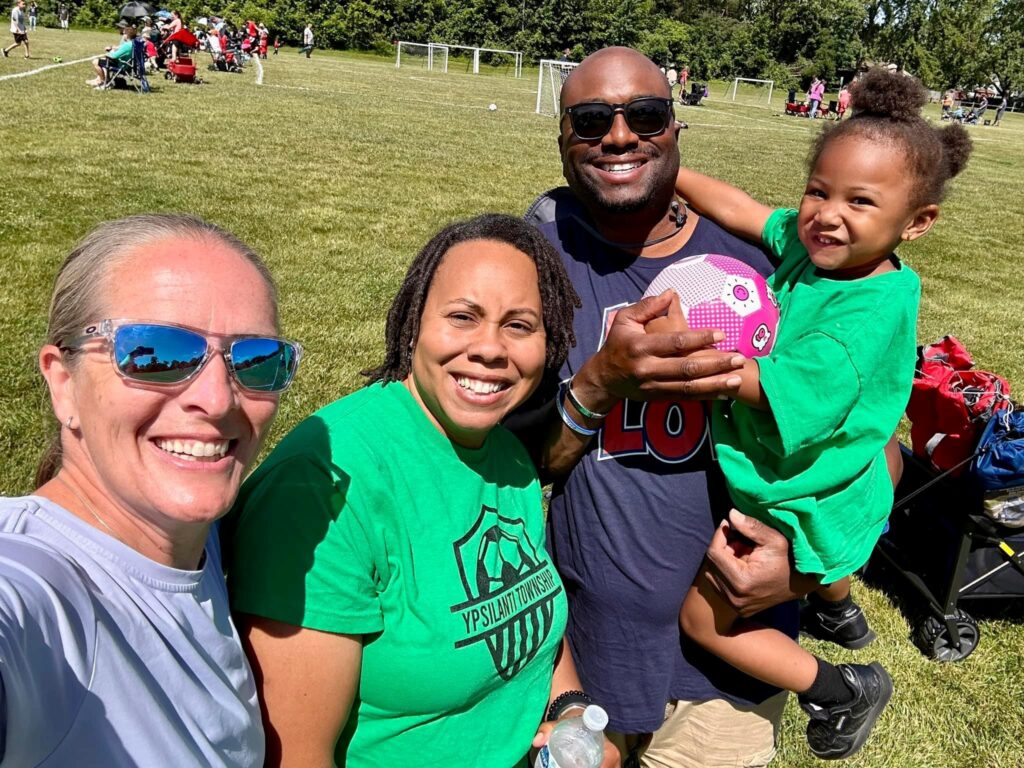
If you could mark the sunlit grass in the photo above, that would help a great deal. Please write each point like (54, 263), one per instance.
(340, 167)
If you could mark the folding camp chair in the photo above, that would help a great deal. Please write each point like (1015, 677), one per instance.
(131, 73)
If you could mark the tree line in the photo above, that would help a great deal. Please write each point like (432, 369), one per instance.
(947, 43)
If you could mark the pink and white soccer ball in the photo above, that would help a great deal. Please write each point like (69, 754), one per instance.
(721, 292)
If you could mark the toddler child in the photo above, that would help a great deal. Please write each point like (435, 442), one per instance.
(802, 442)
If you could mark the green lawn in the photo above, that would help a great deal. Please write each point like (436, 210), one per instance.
(339, 168)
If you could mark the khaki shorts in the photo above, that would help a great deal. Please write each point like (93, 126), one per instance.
(707, 734)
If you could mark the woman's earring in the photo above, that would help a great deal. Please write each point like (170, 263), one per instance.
(68, 422)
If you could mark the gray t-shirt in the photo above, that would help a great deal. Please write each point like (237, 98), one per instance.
(17, 21)
(111, 659)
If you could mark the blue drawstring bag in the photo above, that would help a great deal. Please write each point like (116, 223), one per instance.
(998, 467)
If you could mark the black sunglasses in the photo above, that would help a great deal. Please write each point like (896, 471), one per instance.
(646, 116)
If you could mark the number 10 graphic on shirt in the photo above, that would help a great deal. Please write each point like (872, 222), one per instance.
(671, 431)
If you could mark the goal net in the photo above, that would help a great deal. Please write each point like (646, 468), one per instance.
(549, 84)
(427, 56)
(470, 59)
(748, 90)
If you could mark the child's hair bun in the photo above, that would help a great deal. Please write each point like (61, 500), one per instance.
(882, 93)
(956, 148)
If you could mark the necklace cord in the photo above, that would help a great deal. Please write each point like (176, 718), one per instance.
(679, 216)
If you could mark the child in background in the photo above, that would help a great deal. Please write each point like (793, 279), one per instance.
(802, 444)
(843, 102)
(277, 44)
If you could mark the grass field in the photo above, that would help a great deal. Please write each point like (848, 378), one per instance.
(340, 167)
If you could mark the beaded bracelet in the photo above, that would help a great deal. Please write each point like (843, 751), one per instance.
(584, 411)
(565, 701)
(579, 429)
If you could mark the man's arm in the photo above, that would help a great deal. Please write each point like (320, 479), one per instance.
(639, 366)
(754, 577)
(730, 207)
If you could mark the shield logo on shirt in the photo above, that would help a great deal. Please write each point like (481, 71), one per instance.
(510, 591)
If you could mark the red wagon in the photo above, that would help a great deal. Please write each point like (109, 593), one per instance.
(181, 69)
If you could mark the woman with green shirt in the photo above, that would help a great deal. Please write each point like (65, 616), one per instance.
(387, 561)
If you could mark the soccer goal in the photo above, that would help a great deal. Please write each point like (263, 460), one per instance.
(496, 58)
(428, 56)
(549, 84)
(749, 90)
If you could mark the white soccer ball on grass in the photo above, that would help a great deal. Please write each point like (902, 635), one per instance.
(492, 107)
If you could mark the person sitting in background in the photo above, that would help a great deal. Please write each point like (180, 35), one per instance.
(116, 644)
(114, 58)
(980, 108)
(947, 104)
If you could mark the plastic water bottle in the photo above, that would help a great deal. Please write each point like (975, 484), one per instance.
(577, 742)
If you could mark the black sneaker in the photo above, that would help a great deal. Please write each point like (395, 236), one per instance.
(840, 730)
(849, 629)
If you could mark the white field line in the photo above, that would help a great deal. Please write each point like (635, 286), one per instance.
(400, 99)
(48, 66)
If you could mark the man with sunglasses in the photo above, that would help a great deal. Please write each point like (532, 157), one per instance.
(623, 434)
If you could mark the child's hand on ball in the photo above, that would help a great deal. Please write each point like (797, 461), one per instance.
(672, 322)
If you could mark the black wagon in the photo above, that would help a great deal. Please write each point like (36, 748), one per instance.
(946, 553)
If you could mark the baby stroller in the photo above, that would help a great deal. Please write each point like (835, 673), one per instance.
(224, 59)
(692, 99)
(183, 68)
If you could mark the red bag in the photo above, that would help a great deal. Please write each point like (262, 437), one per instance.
(950, 404)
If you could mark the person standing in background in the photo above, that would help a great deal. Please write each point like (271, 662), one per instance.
(63, 15)
(307, 41)
(843, 102)
(814, 95)
(999, 111)
(18, 29)
(264, 37)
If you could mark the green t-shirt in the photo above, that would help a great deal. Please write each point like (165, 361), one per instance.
(123, 52)
(367, 520)
(838, 380)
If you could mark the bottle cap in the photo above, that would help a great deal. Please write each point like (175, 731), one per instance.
(595, 718)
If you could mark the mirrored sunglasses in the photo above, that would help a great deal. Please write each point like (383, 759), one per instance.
(647, 116)
(167, 354)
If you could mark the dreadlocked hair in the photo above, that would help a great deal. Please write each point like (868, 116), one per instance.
(558, 299)
(887, 109)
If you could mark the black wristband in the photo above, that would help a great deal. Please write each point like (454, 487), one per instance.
(565, 700)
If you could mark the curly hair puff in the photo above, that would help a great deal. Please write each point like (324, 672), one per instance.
(887, 109)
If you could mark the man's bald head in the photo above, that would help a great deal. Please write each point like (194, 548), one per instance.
(620, 173)
(613, 69)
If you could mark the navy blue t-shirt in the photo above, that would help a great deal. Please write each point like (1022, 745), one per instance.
(629, 526)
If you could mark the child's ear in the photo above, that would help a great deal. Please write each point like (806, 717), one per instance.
(923, 220)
